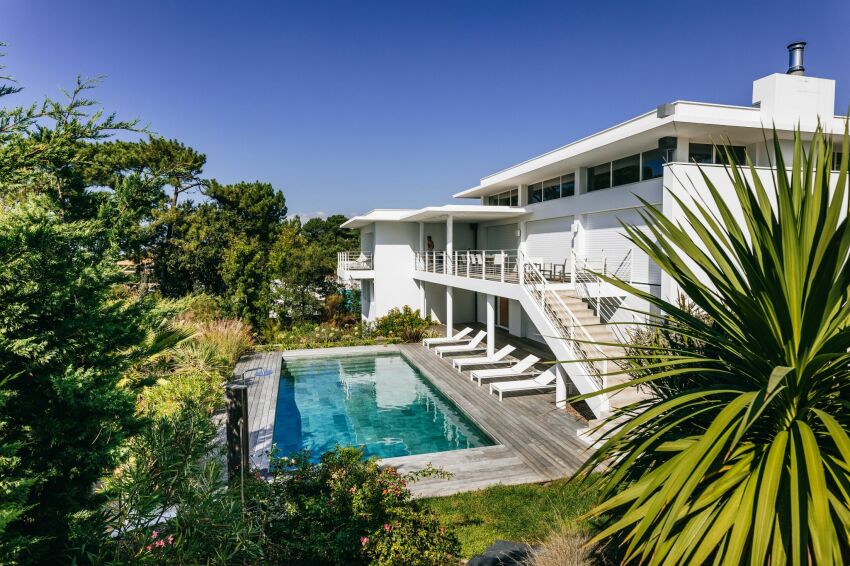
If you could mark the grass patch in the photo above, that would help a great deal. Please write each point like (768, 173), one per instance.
(528, 513)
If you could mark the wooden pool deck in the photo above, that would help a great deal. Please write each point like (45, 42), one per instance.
(536, 441)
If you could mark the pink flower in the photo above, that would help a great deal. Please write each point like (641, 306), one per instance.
(160, 543)
(154, 534)
(149, 547)
(170, 539)
(387, 527)
(364, 541)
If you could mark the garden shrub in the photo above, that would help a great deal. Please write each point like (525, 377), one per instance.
(230, 338)
(203, 308)
(312, 335)
(347, 510)
(404, 323)
(172, 505)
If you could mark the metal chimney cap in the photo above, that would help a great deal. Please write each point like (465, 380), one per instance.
(795, 58)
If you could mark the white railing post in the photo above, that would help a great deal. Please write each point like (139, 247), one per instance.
(573, 268)
(504, 260)
(599, 287)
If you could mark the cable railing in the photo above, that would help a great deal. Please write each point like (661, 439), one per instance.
(590, 287)
(489, 265)
(354, 261)
(564, 321)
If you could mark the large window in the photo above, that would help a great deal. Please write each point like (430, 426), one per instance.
(701, 153)
(652, 164)
(625, 170)
(557, 187)
(599, 177)
(507, 198)
(707, 153)
(568, 185)
(738, 152)
(552, 189)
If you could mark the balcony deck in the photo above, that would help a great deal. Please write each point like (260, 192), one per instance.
(501, 266)
(537, 441)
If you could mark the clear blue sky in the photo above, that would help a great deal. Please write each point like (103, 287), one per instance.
(348, 106)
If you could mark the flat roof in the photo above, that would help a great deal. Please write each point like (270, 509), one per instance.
(679, 118)
(435, 213)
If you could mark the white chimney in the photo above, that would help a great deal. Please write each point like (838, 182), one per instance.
(786, 99)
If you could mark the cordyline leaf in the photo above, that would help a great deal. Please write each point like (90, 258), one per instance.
(740, 451)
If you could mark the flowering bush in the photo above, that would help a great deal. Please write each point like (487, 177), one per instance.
(404, 323)
(347, 510)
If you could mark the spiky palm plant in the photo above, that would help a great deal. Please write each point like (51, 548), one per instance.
(741, 452)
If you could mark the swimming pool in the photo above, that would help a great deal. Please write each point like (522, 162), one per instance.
(379, 402)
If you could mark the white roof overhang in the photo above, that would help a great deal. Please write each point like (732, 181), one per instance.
(712, 122)
(465, 212)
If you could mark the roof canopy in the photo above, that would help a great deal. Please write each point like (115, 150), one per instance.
(468, 212)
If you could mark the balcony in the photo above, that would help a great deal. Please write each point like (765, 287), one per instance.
(487, 265)
(354, 265)
(490, 265)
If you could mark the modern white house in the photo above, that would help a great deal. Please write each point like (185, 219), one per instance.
(523, 253)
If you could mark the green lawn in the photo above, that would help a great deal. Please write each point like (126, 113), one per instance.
(526, 513)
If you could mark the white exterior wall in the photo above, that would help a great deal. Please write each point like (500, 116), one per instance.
(394, 285)
(685, 181)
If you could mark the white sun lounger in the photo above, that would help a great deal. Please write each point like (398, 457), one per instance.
(459, 337)
(499, 357)
(518, 369)
(543, 382)
(471, 346)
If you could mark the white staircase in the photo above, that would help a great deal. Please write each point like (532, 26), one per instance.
(603, 334)
(575, 334)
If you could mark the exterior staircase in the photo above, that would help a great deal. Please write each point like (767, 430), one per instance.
(601, 333)
(575, 333)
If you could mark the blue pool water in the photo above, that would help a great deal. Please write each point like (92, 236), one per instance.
(379, 402)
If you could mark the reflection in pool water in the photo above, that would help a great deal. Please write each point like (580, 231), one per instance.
(379, 402)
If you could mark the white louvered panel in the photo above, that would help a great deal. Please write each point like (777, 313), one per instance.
(604, 233)
(502, 237)
(550, 239)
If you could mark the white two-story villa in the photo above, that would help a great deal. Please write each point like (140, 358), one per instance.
(521, 256)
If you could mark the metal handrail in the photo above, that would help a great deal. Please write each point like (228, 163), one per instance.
(555, 309)
(354, 261)
(589, 285)
(490, 265)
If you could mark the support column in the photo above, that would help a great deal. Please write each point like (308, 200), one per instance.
(581, 180)
(421, 237)
(450, 318)
(450, 234)
(491, 324)
(560, 386)
(423, 307)
(682, 150)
